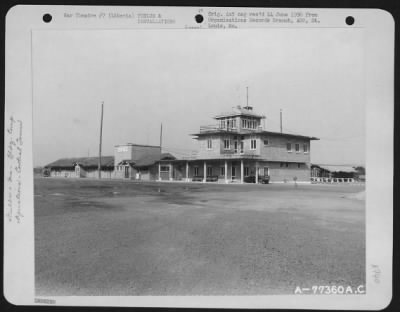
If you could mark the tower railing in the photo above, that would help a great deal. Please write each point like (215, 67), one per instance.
(216, 128)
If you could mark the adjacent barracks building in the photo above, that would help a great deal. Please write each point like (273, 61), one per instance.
(236, 147)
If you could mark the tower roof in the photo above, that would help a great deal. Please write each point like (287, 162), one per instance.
(240, 111)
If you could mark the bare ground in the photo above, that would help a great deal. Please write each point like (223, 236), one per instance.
(126, 238)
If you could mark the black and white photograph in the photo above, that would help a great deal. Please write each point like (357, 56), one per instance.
(221, 161)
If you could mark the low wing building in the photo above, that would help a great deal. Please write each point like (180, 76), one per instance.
(335, 173)
(82, 167)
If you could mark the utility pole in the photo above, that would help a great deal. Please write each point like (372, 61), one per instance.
(281, 120)
(161, 138)
(101, 136)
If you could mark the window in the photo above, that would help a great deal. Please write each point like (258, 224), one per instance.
(305, 148)
(266, 142)
(122, 149)
(227, 144)
(246, 171)
(209, 144)
(253, 144)
(287, 165)
(297, 147)
(164, 168)
(245, 123)
(196, 171)
(282, 164)
(299, 165)
(289, 147)
(223, 171)
(234, 123)
(209, 171)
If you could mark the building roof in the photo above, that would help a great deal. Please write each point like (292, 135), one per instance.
(132, 144)
(337, 168)
(150, 160)
(167, 156)
(263, 132)
(240, 111)
(85, 162)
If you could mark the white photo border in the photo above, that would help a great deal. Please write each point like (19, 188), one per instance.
(378, 28)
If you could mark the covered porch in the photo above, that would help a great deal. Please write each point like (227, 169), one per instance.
(211, 170)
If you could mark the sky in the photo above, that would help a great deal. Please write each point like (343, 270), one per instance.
(182, 78)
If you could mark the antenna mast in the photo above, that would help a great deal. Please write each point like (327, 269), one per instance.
(101, 136)
(247, 97)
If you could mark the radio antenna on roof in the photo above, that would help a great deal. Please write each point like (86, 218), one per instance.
(247, 97)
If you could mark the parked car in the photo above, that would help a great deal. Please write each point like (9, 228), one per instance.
(252, 179)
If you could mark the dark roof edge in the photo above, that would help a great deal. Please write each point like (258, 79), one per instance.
(239, 114)
(132, 144)
(254, 133)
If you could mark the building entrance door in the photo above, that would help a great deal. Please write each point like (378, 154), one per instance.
(126, 175)
(77, 171)
(233, 173)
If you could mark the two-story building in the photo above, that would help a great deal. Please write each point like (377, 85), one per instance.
(237, 147)
(138, 161)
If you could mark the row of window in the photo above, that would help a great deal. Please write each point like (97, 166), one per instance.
(228, 123)
(253, 145)
(249, 123)
(286, 165)
(227, 144)
(296, 147)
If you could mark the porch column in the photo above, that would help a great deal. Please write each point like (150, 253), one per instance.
(241, 171)
(159, 171)
(226, 171)
(187, 171)
(205, 172)
(170, 172)
(256, 172)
